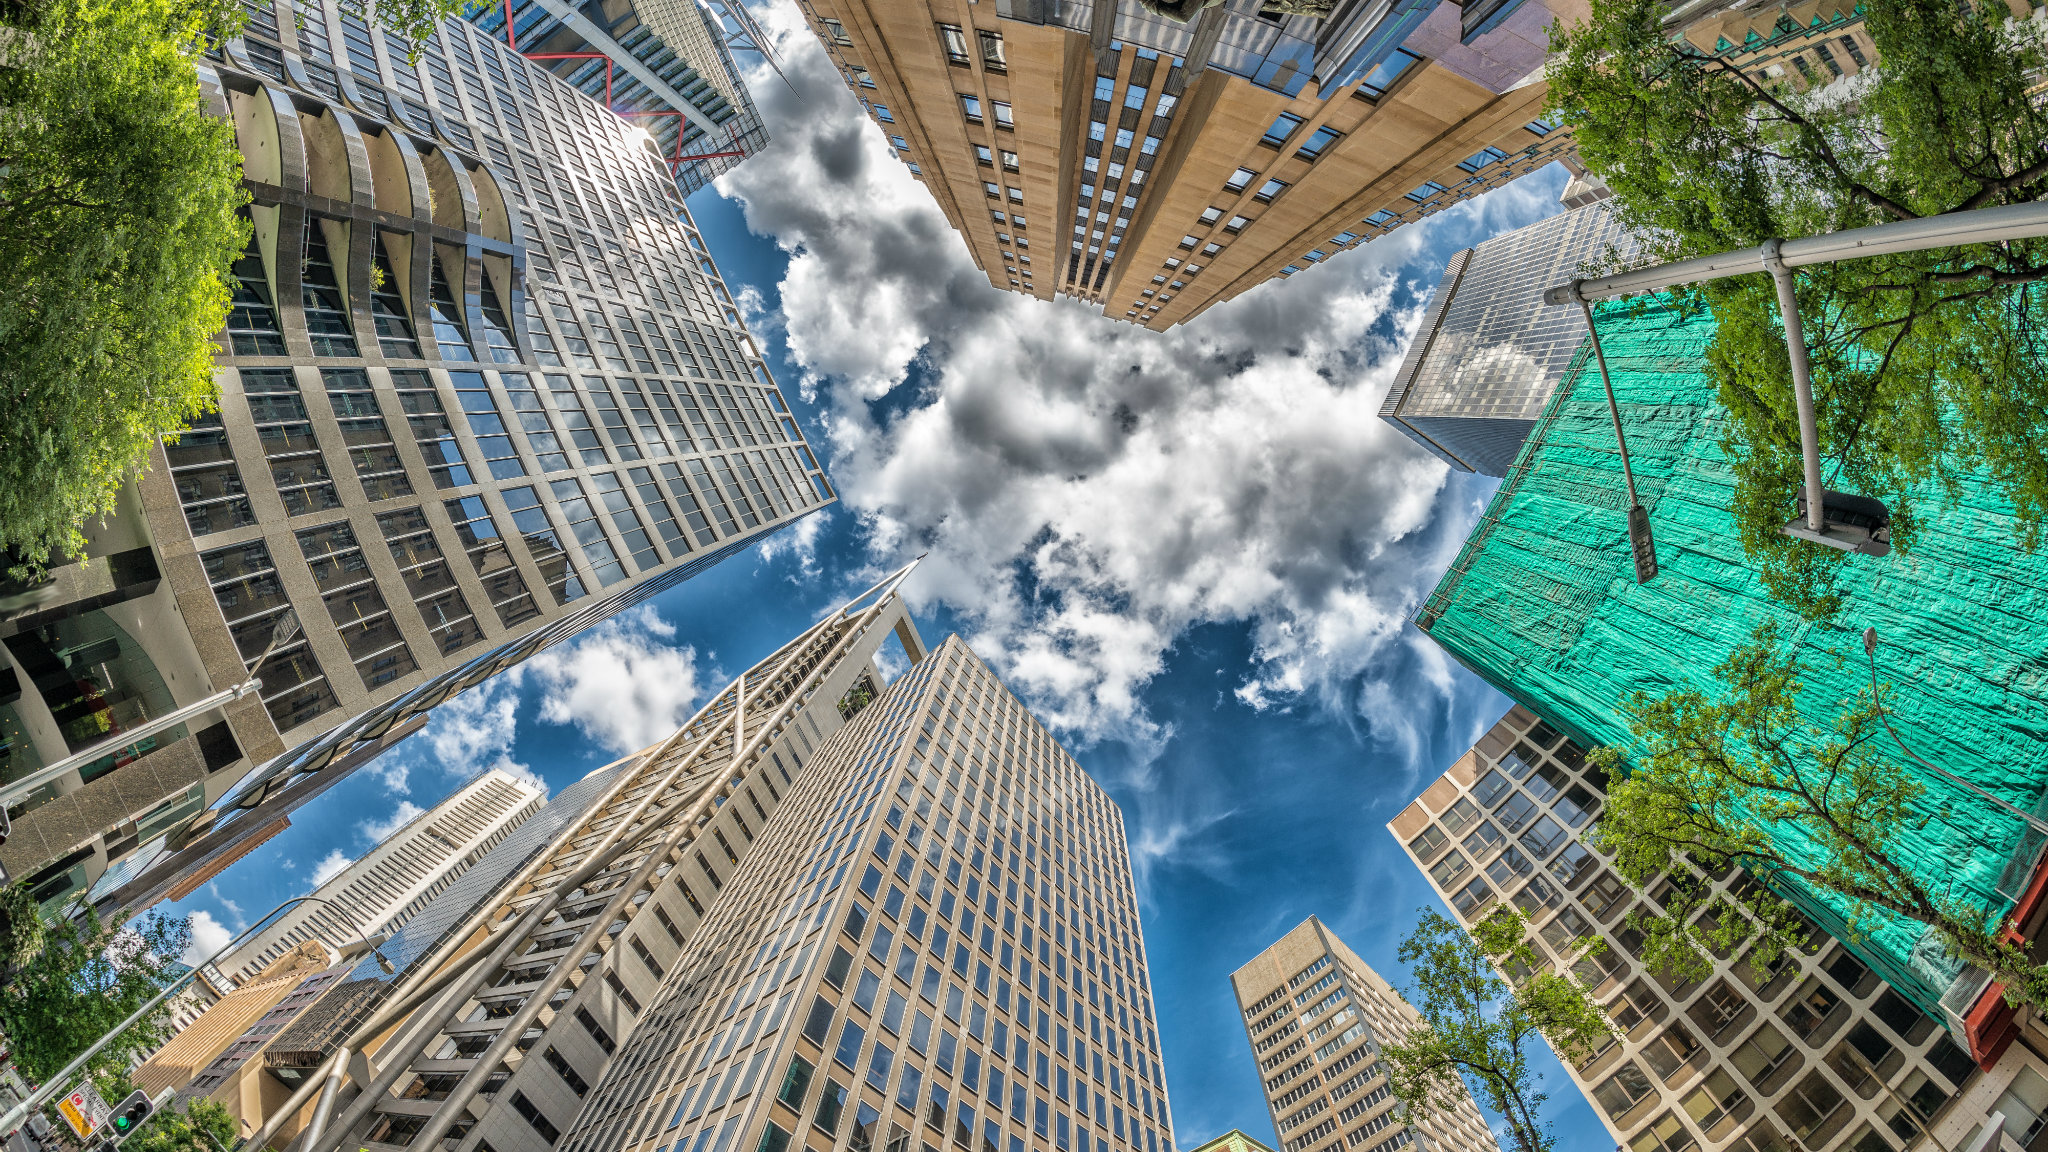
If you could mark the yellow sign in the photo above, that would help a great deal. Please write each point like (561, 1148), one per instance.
(83, 1110)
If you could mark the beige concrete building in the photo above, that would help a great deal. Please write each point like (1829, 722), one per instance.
(1316, 1016)
(1232, 1141)
(200, 1040)
(1814, 1054)
(1099, 151)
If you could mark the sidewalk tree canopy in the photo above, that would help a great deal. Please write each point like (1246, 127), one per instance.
(1927, 365)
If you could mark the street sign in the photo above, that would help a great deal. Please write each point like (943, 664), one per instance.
(1641, 544)
(84, 1110)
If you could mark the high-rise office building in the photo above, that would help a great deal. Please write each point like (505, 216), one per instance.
(393, 881)
(1813, 1052)
(1316, 1016)
(599, 910)
(666, 65)
(1490, 352)
(1100, 151)
(481, 388)
(1542, 603)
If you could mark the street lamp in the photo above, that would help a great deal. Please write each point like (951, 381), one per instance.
(55, 1086)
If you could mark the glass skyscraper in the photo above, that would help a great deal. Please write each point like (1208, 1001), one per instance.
(481, 388)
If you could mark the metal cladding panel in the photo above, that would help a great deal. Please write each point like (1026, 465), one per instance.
(1542, 603)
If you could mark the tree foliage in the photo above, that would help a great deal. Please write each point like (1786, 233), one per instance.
(1744, 780)
(1477, 1029)
(1927, 366)
(87, 976)
(204, 1126)
(118, 225)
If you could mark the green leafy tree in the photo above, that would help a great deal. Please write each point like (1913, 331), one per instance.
(204, 1126)
(1478, 1029)
(88, 976)
(1744, 779)
(118, 225)
(1928, 366)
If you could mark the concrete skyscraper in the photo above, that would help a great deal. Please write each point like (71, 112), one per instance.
(1101, 151)
(1316, 1015)
(481, 388)
(1814, 1052)
(393, 881)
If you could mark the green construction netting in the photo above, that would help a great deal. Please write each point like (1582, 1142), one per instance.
(1542, 603)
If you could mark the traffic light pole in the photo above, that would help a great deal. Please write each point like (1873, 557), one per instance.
(55, 1087)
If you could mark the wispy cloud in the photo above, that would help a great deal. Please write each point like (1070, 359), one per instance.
(331, 865)
(468, 734)
(375, 831)
(209, 935)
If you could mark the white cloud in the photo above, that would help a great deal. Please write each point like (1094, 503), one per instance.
(466, 735)
(331, 865)
(376, 830)
(208, 936)
(1089, 491)
(624, 683)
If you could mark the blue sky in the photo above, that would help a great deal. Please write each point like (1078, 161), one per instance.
(1192, 553)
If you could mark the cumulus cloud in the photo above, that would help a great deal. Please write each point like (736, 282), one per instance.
(624, 683)
(376, 830)
(332, 865)
(1089, 491)
(209, 935)
(466, 735)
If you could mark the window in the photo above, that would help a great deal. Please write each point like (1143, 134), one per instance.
(1282, 128)
(1239, 180)
(1380, 79)
(1011, 162)
(970, 107)
(992, 57)
(860, 76)
(1212, 215)
(795, 1082)
(1427, 844)
(1665, 1134)
(954, 41)
(1134, 96)
(1483, 839)
(1316, 144)
(1381, 218)
(1450, 870)
(1003, 117)
(1425, 190)
(1236, 224)
(1165, 106)
(1542, 127)
(1623, 1090)
(531, 519)
(364, 433)
(1472, 898)
(831, 1103)
(1124, 137)
(1810, 1106)
(1811, 1010)
(1762, 1055)
(984, 157)
(834, 29)
(1718, 1098)
(1482, 158)
(1105, 87)
(1016, 195)
(541, 1124)
(417, 552)
(992, 190)
(597, 1033)
(883, 114)
(568, 1074)
(1671, 1053)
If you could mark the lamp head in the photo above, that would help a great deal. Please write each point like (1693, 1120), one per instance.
(384, 962)
(1870, 642)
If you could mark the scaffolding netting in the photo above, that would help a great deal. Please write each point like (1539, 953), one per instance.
(1542, 603)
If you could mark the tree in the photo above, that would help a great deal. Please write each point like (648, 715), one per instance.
(88, 976)
(118, 225)
(1477, 1028)
(1745, 780)
(204, 1126)
(1928, 367)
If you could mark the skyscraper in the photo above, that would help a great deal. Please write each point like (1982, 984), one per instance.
(481, 388)
(393, 881)
(1107, 153)
(1490, 352)
(1316, 1016)
(1813, 1052)
(666, 65)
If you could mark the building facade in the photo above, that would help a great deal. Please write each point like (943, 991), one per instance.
(393, 881)
(481, 388)
(1316, 1016)
(665, 65)
(1103, 152)
(1815, 1052)
(1542, 604)
(1490, 352)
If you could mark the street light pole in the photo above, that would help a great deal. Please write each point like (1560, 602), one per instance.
(49, 1091)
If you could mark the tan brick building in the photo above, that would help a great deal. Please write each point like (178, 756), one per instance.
(1316, 1016)
(1104, 153)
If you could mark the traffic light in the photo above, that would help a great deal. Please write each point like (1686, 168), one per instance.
(129, 1115)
